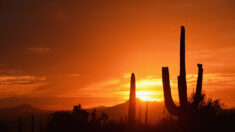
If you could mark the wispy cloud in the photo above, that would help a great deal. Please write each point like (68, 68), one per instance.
(68, 75)
(7, 80)
(213, 52)
(21, 85)
(211, 78)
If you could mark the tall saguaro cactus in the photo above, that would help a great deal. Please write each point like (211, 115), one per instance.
(182, 84)
(132, 102)
(182, 77)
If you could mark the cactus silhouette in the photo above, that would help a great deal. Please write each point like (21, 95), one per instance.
(20, 126)
(32, 123)
(40, 127)
(182, 85)
(146, 113)
(132, 102)
(140, 113)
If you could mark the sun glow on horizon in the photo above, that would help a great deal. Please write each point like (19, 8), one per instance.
(146, 89)
(148, 96)
(145, 92)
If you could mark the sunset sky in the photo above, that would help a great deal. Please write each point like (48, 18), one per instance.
(58, 53)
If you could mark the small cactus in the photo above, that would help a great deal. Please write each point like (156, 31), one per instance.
(132, 102)
(140, 113)
(146, 113)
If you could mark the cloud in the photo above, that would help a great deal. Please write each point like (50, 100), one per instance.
(69, 75)
(213, 53)
(148, 88)
(213, 78)
(21, 85)
(20, 79)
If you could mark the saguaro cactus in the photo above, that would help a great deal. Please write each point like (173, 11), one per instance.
(32, 123)
(182, 84)
(140, 112)
(146, 113)
(132, 102)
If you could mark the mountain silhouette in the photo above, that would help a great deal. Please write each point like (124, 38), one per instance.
(22, 110)
(116, 112)
(120, 111)
(11, 116)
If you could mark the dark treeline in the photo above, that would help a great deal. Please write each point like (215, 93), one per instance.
(210, 116)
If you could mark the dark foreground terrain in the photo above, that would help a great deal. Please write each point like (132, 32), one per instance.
(209, 117)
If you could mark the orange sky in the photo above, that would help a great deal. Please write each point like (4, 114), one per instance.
(59, 53)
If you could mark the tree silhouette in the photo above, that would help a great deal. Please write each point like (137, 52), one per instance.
(77, 120)
(103, 118)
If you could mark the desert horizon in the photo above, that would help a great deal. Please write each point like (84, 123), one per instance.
(117, 65)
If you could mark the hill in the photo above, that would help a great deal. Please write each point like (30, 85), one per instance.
(10, 116)
(120, 111)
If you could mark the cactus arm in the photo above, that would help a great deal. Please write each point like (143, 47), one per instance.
(198, 95)
(169, 103)
(182, 52)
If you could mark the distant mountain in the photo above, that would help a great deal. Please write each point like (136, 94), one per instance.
(20, 111)
(10, 116)
(120, 111)
(24, 108)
